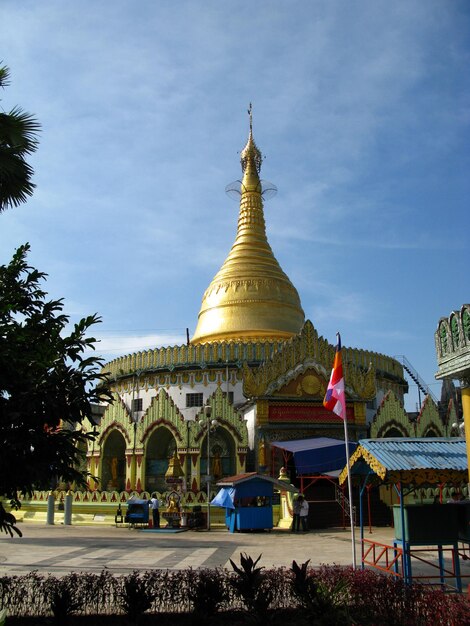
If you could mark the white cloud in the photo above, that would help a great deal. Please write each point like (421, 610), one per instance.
(111, 347)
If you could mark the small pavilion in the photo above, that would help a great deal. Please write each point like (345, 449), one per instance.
(409, 463)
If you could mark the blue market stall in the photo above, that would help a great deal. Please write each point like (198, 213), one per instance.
(248, 500)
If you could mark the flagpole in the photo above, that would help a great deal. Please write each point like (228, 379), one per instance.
(351, 508)
(335, 400)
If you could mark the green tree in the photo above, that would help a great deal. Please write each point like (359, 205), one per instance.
(18, 139)
(47, 384)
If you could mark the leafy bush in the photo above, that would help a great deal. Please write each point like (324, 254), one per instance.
(99, 592)
(302, 595)
(325, 603)
(63, 596)
(252, 586)
(378, 599)
(133, 596)
(207, 592)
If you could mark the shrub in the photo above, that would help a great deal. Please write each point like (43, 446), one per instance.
(252, 587)
(63, 596)
(207, 591)
(325, 603)
(133, 596)
(302, 595)
(99, 592)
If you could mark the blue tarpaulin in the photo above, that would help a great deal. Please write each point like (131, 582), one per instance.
(318, 455)
(225, 498)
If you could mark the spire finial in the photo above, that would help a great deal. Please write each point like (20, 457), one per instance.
(250, 152)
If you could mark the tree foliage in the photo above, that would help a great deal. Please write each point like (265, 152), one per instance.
(18, 139)
(47, 384)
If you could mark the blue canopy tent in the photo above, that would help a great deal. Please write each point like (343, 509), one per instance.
(314, 458)
(319, 460)
(319, 455)
(247, 499)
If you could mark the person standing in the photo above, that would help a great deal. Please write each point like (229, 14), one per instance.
(154, 505)
(303, 513)
(297, 508)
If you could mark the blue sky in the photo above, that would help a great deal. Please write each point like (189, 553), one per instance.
(361, 108)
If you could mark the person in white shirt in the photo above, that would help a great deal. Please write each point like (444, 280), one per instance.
(300, 514)
(303, 514)
(154, 505)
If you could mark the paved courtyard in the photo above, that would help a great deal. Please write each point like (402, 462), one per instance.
(61, 549)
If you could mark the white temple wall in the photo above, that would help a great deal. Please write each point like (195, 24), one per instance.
(177, 393)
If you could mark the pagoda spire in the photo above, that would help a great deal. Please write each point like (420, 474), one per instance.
(250, 297)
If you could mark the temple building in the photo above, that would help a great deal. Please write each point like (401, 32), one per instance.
(255, 361)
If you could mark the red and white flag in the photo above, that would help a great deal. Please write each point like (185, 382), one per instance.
(335, 398)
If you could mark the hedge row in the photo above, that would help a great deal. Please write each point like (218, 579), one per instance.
(328, 595)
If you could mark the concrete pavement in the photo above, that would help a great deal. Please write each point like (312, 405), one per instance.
(60, 549)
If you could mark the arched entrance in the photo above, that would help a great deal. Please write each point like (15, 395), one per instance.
(113, 464)
(222, 456)
(161, 446)
(392, 432)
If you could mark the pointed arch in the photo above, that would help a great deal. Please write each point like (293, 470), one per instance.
(160, 446)
(452, 417)
(222, 459)
(113, 460)
(465, 318)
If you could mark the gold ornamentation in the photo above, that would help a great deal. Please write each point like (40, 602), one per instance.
(262, 412)
(250, 296)
(310, 385)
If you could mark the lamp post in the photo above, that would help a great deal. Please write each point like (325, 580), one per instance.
(135, 419)
(210, 425)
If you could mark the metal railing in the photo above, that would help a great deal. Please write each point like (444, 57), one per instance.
(415, 377)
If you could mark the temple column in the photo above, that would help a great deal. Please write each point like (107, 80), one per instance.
(465, 389)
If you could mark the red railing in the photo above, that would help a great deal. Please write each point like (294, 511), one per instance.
(439, 570)
(385, 558)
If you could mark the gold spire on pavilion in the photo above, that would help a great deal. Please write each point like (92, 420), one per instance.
(250, 297)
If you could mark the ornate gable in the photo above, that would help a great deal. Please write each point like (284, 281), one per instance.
(429, 422)
(391, 419)
(117, 416)
(226, 416)
(162, 412)
(295, 358)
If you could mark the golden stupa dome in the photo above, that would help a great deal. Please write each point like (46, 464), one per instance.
(250, 297)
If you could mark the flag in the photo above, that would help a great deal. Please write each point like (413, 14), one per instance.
(335, 398)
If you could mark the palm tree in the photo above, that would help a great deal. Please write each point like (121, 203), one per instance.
(18, 138)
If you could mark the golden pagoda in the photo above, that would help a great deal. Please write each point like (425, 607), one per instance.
(250, 297)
